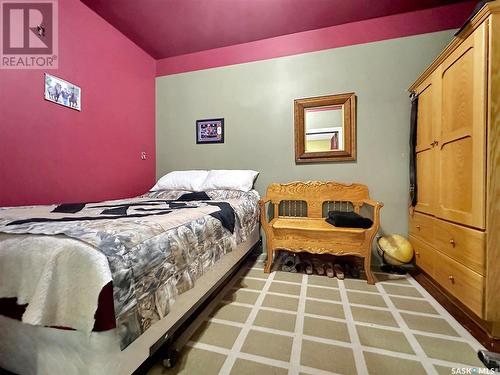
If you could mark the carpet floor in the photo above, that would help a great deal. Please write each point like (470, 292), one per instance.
(287, 323)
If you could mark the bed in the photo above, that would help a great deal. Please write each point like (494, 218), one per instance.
(96, 288)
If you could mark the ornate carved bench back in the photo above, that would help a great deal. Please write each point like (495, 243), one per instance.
(315, 193)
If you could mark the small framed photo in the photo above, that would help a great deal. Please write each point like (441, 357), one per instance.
(210, 131)
(62, 92)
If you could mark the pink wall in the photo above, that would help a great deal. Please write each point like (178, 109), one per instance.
(49, 153)
(371, 30)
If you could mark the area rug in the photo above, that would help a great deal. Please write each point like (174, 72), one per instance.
(290, 323)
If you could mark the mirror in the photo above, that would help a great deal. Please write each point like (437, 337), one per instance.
(325, 128)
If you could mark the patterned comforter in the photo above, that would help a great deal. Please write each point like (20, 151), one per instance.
(152, 258)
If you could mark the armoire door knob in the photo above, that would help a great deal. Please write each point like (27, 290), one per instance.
(452, 242)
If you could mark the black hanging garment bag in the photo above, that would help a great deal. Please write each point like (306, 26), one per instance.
(413, 151)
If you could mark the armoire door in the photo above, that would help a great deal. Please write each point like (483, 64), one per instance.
(462, 140)
(427, 122)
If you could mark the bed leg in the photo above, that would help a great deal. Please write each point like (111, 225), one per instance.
(170, 358)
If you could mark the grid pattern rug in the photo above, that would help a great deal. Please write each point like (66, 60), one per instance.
(288, 323)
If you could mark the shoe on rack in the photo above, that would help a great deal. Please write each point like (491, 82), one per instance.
(318, 267)
(351, 270)
(339, 272)
(288, 263)
(329, 270)
(308, 267)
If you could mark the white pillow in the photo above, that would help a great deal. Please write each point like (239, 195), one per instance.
(182, 180)
(230, 180)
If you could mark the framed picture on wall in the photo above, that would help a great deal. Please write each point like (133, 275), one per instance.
(62, 92)
(210, 131)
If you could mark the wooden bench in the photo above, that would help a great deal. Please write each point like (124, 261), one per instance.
(298, 220)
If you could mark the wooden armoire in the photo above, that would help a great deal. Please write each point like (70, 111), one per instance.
(455, 225)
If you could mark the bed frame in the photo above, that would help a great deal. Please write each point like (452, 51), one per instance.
(27, 349)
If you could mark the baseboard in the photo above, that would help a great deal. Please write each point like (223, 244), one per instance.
(460, 312)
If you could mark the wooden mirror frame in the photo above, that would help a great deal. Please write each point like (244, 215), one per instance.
(349, 152)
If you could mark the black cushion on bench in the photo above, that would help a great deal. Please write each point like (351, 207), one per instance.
(348, 220)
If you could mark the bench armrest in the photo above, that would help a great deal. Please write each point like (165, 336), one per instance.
(263, 215)
(263, 201)
(373, 203)
(376, 214)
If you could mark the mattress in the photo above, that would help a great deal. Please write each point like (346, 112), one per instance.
(150, 258)
(26, 349)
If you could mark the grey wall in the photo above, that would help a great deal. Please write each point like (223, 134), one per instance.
(256, 101)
